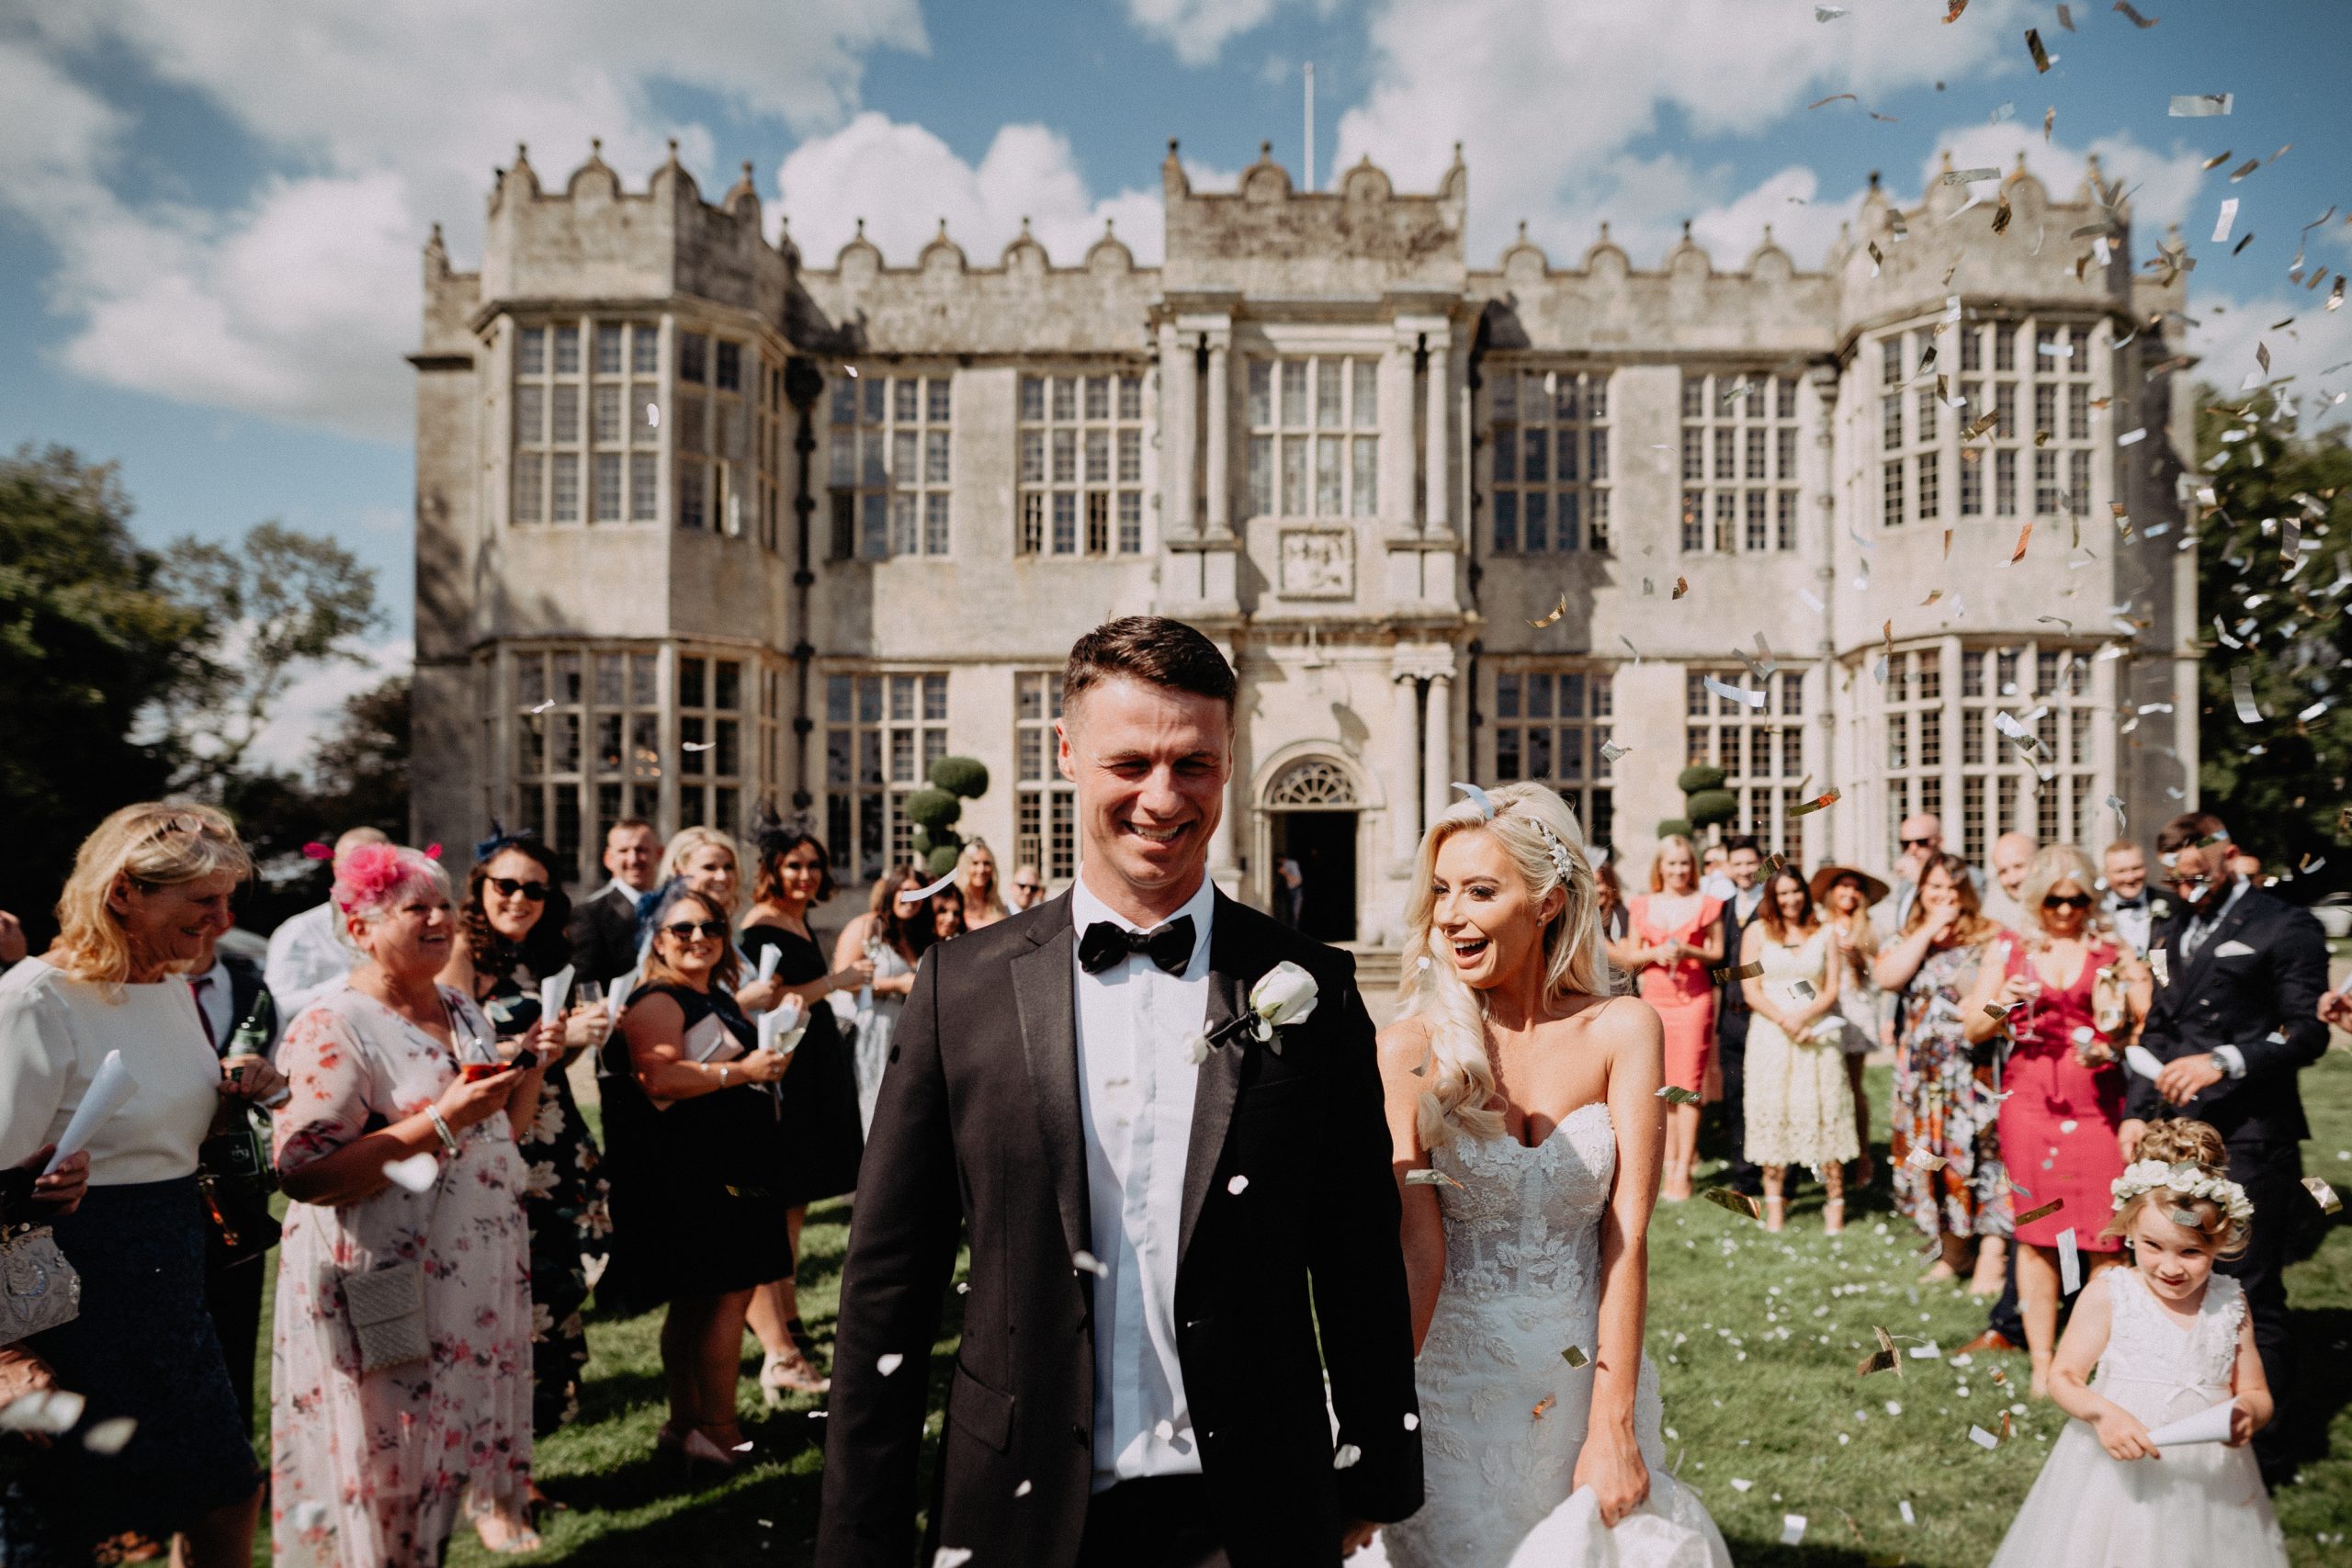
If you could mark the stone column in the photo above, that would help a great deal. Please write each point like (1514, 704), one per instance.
(1440, 463)
(1179, 417)
(1405, 785)
(1437, 752)
(1220, 478)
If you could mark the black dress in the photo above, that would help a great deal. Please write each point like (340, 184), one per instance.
(824, 1136)
(698, 1208)
(566, 1201)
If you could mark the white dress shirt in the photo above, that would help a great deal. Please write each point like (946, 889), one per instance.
(2133, 922)
(306, 961)
(1135, 1023)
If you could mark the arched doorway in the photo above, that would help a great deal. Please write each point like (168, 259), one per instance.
(1311, 824)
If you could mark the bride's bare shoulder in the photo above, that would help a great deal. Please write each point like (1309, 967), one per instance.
(1622, 1024)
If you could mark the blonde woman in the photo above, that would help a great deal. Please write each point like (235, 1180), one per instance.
(976, 880)
(1534, 1097)
(1675, 937)
(149, 891)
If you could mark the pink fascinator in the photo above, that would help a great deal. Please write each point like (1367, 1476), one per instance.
(367, 873)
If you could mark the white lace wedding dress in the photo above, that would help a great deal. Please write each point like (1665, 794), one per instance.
(1503, 1413)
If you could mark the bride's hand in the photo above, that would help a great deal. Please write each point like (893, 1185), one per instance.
(1612, 1464)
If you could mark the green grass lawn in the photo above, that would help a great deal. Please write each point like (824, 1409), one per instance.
(1755, 1337)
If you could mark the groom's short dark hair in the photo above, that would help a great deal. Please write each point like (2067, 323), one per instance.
(1150, 649)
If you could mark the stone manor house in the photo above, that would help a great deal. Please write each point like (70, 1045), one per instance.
(702, 525)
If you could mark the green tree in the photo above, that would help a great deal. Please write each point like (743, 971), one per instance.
(273, 603)
(358, 778)
(2275, 632)
(90, 637)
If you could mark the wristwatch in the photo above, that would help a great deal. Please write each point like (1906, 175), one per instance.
(722, 1077)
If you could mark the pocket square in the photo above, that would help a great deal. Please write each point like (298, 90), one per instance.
(2233, 950)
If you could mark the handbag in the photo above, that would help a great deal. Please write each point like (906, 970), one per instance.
(38, 1288)
(385, 1305)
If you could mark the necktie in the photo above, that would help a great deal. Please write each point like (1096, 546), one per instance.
(196, 987)
(2194, 937)
(1106, 943)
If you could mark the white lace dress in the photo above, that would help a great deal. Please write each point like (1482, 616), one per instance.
(876, 1020)
(2200, 1504)
(1800, 1108)
(1503, 1415)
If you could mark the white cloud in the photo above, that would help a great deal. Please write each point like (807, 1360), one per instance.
(313, 706)
(1197, 29)
(2312, 347)
(384, 114)
(2162, 187)
(902, 180)
(1546, 97)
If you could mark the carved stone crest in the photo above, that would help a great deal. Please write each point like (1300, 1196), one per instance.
(1316, 563)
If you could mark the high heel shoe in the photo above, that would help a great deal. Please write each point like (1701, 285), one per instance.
(501, 1535)
(1833, 1217)
(696, 1450)
(780, 1375)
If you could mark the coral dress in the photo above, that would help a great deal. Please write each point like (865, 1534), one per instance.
(2059, 1122)
(1682, 992)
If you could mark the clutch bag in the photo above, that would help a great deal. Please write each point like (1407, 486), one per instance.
(387, 1310)
(38, 1288)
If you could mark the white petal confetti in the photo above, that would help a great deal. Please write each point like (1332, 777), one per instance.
(1739, 1485)
(1908, 1518)
(1025, 1489)
(43, 1410)
(416, 1173)
(2070, 1263)
(1791, 1529)
(1982, 1439)
(1090, 1263)
(1237, 1186)
(1347, 1456)
(1164, 1430)
(110, 1437)
(888, 1362)
(1412, 1422)
(951, 1557)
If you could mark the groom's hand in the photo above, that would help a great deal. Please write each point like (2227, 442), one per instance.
(1354, 1535)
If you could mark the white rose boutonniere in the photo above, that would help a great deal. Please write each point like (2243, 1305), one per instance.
(1284, 995)
(2159, 909)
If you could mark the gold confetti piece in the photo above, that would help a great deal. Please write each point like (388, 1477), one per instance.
(2033, 47)
(1979, 425)
(2323, 1194)
(2043, 1212)
(1575, 1356)
(2050, 114)
(2217, 159)
(1737, 972)
(1883, 1359)
(1878, 258)
(1674, 1094)
(2335, 295)
(1832, 98)
(1431, 1178)
(2243, 241)
(2066, 18)
(1543, 1406)
(2245, 169)
(1821, 802)
(1681, 586)
(2025, 534)
(2001, 216)
(1556, 613)
(1920, 1159)
(2136, 20)
(1952, 15)
(1738, 1202)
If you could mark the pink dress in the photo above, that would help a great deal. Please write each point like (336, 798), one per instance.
(369, 1471)
(2059, 1122)
(1683, 992)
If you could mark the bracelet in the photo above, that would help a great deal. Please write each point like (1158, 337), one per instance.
(441, 1127)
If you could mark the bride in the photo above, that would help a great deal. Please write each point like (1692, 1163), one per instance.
(1533, 1094)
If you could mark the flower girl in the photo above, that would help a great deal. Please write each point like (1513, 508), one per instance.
(2171, 1340)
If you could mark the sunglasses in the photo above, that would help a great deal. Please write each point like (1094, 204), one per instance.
(537, 892)
(1918, 843)
(1024, 887)
(686, 930)
(2069, 901)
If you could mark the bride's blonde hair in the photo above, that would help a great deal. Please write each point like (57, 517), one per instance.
(1539, 831)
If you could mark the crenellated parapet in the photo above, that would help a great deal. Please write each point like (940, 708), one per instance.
(1267, 237)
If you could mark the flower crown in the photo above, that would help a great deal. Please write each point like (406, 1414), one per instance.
(2188, 1179)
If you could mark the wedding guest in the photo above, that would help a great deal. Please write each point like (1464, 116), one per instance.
(823, 1135)
(708, 861)
(1943, 1094)
(511, 936)
(12, 941)
(2004, 903)
(698, 1211)
(1028, 888)
(2233, 1029)
(150, 888)
(2074, 999)
(883, 938)
(1678, 936)
(306, 952)
(1845, 897)
(1614, 923)
(1290, 892)
(1800, 1108)
(239, 1231)
(976, 881)
(1714, 880)
(1921, 840)
(603, 929)
(947, 914)
(395, 1088)
(2130, 906)
(1742, 862)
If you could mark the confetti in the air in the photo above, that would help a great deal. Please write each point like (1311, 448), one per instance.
(2193, 105)
(1681, 586)
(1733, 694)
(888, 1362)
(2136, 20)
(1821, 802)
(1731, 972)
(1554, 614)
(2323, 1194)
(2033, 47)
(1674, 1094)
(1543, 1406)
(1575, 1356)
(1430, 1179)
(1920, 1159)
(1237, 1186)
(2043, 1212)
(416, 1173)
(951, 1557)
(110, 1437)
(1090, 1263)
(1346, 1457)
(1731, 1197)
(1883, 1359)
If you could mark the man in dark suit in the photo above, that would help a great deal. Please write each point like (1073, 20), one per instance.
(1743, 862)
(2235, 1017)
(1138, 1383)
(603, 928)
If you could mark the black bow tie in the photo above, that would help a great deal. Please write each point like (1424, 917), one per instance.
(2139, 903)
(1106, 942)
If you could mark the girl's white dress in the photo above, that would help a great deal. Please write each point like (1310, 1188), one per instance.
(2201, 1505)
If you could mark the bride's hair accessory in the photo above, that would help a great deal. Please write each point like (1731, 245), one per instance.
(1562, 862)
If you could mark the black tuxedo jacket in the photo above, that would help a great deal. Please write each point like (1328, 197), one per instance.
(978, 1126)
(1731, 995)
(2264, 1000)
(604, 936)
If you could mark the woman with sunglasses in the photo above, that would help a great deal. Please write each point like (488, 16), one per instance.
(691, 1121)
(2075, 998)
(511, 937)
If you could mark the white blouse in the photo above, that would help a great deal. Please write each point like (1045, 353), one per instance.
(55, 1031)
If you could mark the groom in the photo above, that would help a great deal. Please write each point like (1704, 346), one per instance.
(1138, 1381)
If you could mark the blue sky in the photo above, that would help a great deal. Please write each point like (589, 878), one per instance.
(209, 215)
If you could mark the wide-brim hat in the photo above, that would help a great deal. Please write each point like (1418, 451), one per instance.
(1827, 877)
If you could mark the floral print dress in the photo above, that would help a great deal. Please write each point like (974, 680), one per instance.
(1944, 1105)
(369, 1471)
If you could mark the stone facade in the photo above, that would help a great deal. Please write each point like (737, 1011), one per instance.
(702, 526)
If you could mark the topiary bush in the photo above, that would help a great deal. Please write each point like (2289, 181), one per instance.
(942, 859)
(933, 809)
(1674, 827)
(1699, 776)
(963, 777)
(1711, 807)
